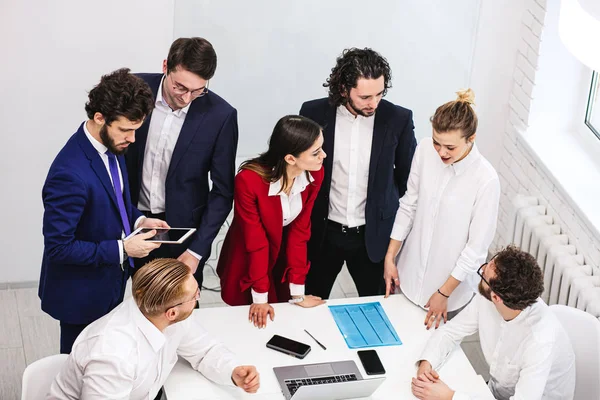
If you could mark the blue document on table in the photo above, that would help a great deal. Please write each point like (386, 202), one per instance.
(364, 325)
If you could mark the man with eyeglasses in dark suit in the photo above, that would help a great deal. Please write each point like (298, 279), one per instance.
(192, 134)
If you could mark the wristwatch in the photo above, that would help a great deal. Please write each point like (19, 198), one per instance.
(296, 300)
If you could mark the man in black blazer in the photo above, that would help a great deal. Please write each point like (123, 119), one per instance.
(191, 135)
(370, 143)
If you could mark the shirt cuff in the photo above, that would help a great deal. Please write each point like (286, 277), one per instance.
(198, 256)
(459, 274)
(259, 298)
(296, 290)
(120, 243)
(138, 222)
(400, 230)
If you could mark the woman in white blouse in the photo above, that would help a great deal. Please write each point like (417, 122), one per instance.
(447, 217)
(264, 256)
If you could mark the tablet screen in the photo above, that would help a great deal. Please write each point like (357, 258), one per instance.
(166, 235)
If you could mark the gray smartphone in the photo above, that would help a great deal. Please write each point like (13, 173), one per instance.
(288, 346)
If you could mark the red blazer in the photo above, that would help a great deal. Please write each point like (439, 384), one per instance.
(254, 239)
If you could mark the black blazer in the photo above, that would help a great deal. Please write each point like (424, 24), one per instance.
(391, 156)
(207, 144)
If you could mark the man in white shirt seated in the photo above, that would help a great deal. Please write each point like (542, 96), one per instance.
(129, 353)
(528, 351)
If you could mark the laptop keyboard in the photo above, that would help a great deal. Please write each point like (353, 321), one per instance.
(294, 384)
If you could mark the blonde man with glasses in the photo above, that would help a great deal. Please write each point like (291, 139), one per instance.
(190, 138)
(129, 353)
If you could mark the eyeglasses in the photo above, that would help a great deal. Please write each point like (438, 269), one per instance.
(196, 298)
(179, 89)
(480, 273)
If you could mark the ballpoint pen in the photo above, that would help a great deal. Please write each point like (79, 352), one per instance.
(319, 343)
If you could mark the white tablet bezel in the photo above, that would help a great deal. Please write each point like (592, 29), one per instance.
(181, 239)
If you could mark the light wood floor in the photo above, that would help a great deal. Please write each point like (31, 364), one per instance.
(28, 334)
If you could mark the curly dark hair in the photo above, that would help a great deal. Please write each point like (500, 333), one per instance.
(195, 54)
(120, 93)
(519, 280)
(350, 66)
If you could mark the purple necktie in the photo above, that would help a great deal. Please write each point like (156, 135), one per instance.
(114, 173)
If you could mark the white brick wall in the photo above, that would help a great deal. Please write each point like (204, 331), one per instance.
(519, 170)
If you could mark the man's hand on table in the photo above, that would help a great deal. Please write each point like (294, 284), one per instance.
(428, 385)
(246, 377)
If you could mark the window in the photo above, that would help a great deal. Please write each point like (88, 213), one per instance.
(592, 114)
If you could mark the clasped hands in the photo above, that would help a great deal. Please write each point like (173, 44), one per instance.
(259, 313)
(427, 385)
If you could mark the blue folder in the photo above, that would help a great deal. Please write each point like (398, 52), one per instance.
(364, 325)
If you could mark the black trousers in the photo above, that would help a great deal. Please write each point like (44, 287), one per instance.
(68, 334)
(165, 251)
(344, 245)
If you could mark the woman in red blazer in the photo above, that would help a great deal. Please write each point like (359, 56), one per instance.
(264, 256)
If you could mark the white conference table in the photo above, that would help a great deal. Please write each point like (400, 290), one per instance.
(231, 326)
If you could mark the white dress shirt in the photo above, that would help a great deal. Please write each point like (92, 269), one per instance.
(291, 206)
(530, 357)
(102, 149)
(447, 220)
(124, 356)
(163, 132)
(350, 170)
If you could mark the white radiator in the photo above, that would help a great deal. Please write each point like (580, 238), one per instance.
(567, 278)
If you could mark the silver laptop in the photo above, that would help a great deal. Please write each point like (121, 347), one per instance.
(325, 381)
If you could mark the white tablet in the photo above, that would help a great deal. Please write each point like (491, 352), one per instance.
(166, 235)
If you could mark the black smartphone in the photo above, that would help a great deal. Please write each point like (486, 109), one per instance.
(288, 346)
(371, 362)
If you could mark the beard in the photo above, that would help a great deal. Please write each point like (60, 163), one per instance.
(487, 293)
(110, 143)
(357, 110)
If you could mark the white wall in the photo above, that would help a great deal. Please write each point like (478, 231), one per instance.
(498, 37)
(52, 53)
(522, 170)
(274, 55)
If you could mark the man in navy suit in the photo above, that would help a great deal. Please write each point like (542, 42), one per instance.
(191, 136)
(370, 143)
(88, 211)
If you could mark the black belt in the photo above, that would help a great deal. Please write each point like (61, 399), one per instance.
(344, 228)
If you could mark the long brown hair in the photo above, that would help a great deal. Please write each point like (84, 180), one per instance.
(293, 134)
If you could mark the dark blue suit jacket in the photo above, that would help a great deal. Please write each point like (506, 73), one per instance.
(392, 151)
(207, 144)
(81, 278)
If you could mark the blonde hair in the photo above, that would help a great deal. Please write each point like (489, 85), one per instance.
(457, 115)
(159, 285)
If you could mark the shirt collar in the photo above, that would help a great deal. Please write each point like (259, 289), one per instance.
(160, 101)
(343, 112)
(100, 148)
(465, 163)
(154, 336)
(300, 183)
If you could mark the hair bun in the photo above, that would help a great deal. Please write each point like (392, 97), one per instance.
(466, 95)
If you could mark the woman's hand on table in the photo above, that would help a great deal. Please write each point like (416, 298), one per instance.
(437, 310)
(258, 314)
